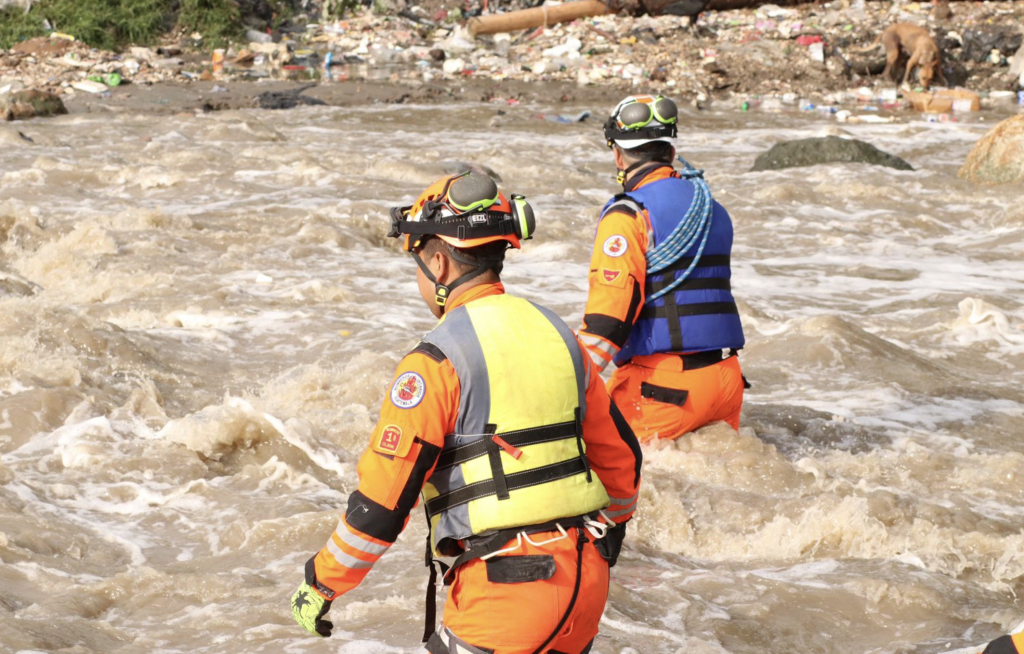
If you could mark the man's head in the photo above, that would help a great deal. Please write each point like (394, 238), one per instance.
(640, 130)
(458, 231)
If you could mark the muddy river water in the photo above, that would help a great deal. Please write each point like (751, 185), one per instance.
(199, 316)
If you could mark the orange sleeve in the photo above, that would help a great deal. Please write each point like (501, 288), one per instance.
(612, 449)
(419, 410)
(618, 268)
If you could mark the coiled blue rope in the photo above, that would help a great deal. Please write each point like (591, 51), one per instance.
(695, 225)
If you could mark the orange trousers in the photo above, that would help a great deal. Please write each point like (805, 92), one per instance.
(660, 399)
(487, 613)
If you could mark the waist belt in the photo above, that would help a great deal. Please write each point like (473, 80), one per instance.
(480, 546)
(698, 360)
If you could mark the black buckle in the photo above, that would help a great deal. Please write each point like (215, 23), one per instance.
(398, 216)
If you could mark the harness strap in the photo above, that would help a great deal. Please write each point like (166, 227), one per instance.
(705, 284)
(699, 309)
(515, 481)
(518, 438)
(579, 444)
(497, 469)
(706, 261)
(671, 310)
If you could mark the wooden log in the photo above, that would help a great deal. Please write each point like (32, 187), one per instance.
(529, 18)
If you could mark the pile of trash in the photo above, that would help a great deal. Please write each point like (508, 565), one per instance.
(768, 58)
(63, 65)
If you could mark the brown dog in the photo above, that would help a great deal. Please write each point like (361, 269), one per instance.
(918, 44)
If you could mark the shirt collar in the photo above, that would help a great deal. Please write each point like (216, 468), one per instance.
(475, 293)
(652, 173)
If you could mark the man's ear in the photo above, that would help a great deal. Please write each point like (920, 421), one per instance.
(620, 161)
(440, 265)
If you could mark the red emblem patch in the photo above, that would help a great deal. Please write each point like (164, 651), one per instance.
(408, 390)
(615, 246)
(390, 439)
(616, 278)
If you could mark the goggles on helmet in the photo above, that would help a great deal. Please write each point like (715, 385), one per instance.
(467, 211)
(642, 119)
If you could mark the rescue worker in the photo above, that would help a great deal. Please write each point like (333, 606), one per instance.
(660, 304)
(498, 417)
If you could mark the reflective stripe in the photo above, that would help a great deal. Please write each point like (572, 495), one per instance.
(616, 514)
(346, 560)
(625, 501)
(455, 644)
(586, 382)
(569, 339)
(601, 351)
(597, 343)
(456, 337)
(355, 542)
(623, 205)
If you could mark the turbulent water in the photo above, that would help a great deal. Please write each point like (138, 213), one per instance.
(199, 316)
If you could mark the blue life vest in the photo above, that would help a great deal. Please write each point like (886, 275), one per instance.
(701, 313)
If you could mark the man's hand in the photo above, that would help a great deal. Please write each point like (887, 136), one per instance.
(309, 608)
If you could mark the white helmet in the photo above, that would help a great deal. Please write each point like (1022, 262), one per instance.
(641, 119)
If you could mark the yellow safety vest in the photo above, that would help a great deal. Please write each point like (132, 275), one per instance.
(523, 389)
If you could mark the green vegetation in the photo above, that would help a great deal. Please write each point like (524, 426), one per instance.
(338, 8)
(216, 20)
(111, 24)
(100, 23)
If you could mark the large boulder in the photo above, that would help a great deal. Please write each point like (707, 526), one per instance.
(998, 158)
(30, 104)
(823, 150)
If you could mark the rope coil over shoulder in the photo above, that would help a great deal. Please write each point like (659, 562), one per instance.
(693, 228)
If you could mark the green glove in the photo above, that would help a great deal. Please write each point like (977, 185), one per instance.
(309, 608)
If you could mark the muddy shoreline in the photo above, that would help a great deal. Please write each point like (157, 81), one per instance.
(173, 97)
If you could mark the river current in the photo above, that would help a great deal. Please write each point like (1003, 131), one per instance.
(199, 317)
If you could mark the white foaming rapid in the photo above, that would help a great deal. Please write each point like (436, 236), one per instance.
(197, 334)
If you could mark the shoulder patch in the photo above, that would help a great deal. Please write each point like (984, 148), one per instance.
(393, 441)
(610, 277)
(408, 390)
(430, 350)
(615, 245)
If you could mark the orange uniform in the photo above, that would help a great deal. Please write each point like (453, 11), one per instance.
(420, 410)
(662, 395)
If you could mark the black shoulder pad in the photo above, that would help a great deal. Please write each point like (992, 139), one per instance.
(430, 350)
(625, 204)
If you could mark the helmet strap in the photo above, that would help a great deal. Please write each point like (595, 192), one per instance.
(622, 174)
(443, 291)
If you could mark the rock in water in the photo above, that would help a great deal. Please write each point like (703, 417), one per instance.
(822, 150)
(286, 99)
(31, 104)
(998, 158)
